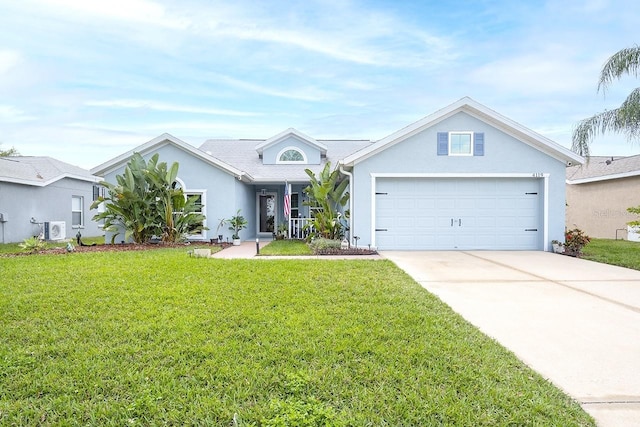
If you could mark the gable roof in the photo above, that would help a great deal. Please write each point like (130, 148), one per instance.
(242, 154)
(160, 141)
(40, 171)
(479, 111)
(288, 133)
(603, 168)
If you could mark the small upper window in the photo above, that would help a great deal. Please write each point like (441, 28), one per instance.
(460, 144)
(291, 155)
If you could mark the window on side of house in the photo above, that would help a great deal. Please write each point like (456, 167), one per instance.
(295, 210)
(199, 206)
(460, 143)
(77, 212)
(291, 155)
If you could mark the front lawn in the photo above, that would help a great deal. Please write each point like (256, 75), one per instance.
(616, 252)
(286, 247)
(158, 337)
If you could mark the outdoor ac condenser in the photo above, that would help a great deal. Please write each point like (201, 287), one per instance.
(54, 230)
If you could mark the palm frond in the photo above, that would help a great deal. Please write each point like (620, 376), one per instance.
(625, 119)
(626, 61)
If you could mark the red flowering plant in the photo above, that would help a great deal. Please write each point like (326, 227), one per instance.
(574, 241)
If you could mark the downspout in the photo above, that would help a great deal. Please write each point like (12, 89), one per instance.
(350, 175)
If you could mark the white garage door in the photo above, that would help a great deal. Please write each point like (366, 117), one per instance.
(458, 213)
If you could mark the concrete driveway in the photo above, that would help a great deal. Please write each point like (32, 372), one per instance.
(576, 322)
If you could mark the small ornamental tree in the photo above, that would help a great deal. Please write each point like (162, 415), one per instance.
(328, 197)
(145, 203)
(634, 210)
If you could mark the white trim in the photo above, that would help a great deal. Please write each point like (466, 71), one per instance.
(532, 175)
(295, 133)
(203, 202)
(159, 142)
(95, 180)
(465, 132)
(291, 162)
(275, 211)
(603, 178)
(545, 213)
(458, 175)
(479, 111)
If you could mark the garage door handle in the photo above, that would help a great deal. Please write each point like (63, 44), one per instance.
(452, 222)
(381, 229)
(460, 223)
(530, 229)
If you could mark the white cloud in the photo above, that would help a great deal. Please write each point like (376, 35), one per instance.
(162, 106)
(142, 11)
(8, 60)
(10, 114)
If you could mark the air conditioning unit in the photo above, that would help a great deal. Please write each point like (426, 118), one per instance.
(55, 230)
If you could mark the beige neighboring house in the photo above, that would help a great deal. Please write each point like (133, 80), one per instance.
(599, 193)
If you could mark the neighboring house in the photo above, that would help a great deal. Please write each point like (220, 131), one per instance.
(464, 177)
(599, 193)
(41, 196)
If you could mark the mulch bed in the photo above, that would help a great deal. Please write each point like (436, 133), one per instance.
(350, 251)
(61, 250)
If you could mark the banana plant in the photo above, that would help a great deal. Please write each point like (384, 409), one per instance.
(326, 194)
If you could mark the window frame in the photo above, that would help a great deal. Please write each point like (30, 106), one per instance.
(291, 162)
(471, 143)
(203, 198)
(77, 211)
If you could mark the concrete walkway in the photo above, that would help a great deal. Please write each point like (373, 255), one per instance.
(574, 321)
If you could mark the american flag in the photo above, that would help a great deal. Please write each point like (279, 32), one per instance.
(287, 201)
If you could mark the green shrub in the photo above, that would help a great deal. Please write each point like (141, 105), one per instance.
(319, 244)
(33, 245)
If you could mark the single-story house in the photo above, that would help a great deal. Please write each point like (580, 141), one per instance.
(599, 193)
(42, 196)
(462, 178)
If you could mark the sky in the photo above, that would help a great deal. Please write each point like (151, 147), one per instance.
(84, 81)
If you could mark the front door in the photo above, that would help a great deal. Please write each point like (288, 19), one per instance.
(266, 213)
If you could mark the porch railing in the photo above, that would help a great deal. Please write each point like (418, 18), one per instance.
(297, 229)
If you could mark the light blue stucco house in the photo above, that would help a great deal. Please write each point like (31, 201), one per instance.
(462, 178)
(42, 196)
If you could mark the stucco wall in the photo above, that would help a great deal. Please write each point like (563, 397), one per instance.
(600, 208)
(19, 203)
(418, 154)
(222, 199)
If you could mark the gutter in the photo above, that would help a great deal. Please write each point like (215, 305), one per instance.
(350, 175)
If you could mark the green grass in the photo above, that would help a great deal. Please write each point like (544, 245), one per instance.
(157, 337)
(286, 247)
(9, 248)
(616, 252)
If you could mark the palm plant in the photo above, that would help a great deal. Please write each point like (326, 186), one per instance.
(624, 119)
(327, 195)
(145, 203)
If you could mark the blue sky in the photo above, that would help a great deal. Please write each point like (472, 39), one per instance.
(84, 81)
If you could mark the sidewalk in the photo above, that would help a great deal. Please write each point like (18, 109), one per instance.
(248, 250)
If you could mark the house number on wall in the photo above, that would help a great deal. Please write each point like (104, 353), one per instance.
(538, 174)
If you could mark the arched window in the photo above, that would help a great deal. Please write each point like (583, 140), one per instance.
(291, 155)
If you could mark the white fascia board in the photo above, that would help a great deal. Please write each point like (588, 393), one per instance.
(458, 175)
(32, 183)
(603, 178)
(291, 132)
(158, 142)
(480, 112)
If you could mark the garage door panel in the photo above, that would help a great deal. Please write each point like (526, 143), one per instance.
(458, 213)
